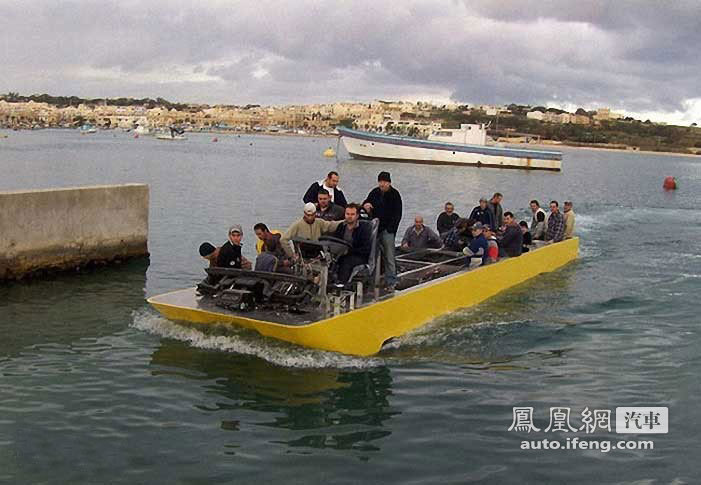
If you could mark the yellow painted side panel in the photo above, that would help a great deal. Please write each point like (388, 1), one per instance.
(363, 331)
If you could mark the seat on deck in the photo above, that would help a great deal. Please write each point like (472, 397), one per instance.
(365, 272)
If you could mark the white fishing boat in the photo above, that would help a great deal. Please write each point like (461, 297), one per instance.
(86, 129)
(142, 130)
(464, 146)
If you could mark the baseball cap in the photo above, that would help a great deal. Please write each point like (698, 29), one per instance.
(309, 208)
(477, 225)
(236, 228)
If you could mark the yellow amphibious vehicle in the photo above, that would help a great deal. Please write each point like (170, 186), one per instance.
(360, 318)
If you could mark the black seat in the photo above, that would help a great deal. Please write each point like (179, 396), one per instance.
(365, 272)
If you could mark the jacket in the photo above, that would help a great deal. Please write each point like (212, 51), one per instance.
(312, 194)
(333, 212)
(424, 239)
(362, 238)
(387, 207)
(556, 227)
(538, 224)
(497, 214)
(483, 215)
(302, 230)
(569, 224)
(512, 240)
(446, 222)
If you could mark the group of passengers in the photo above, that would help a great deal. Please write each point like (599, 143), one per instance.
(489, 233)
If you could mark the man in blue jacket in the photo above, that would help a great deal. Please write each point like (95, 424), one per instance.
(478, 246)
(385, 203)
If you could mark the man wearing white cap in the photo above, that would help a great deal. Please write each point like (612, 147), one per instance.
(308, 227)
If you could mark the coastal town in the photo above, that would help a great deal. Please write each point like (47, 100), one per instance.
(512, 123)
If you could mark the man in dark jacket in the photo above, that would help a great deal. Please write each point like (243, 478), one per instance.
(359, 234)
(385, 203)
(331, 185)
(511, 241)
(230, 253)
(495, 208)
(326, 209)
(482, 214)
(447, 219)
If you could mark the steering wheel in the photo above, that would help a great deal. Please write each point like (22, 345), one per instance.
(335, 240)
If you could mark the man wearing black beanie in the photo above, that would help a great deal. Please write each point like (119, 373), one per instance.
(385, 203)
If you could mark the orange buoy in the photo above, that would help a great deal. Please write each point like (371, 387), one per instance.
(669, 183)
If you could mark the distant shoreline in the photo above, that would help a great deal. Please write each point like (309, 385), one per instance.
(548, 146)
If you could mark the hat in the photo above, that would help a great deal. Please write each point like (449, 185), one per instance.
(309, 208)
(478, 225)
(206, 249)
(384, 176)
(236, 228)
(483, 199)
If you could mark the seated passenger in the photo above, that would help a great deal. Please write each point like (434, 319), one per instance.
(209, 252)
(511, 239)
(271, 257)
(359, 235)
(326, 209)
(419, 236)
(458, 237)
(527, 239)
(230, 253)
(447, 219)
(492, 245)
(482, 214)
(308, 227)
(478, 246)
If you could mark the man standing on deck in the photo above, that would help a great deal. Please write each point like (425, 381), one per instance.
(556, 224)
(495, 208)
(569, 219)
(447, 219)
(331, 185)
(538, 222)
(483, 214)
(327, 210)
(385, 203)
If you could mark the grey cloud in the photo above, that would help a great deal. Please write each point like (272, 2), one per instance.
(633, 54)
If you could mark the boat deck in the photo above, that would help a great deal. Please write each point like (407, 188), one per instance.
(414, 268)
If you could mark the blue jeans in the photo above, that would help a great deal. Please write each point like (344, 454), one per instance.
(387, 244)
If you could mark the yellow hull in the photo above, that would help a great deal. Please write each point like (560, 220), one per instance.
(364, 330)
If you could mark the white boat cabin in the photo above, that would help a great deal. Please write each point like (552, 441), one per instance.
(467, 134)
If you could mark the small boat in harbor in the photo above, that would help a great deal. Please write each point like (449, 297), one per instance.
(465, 146)
(87, 129)
(304, 310)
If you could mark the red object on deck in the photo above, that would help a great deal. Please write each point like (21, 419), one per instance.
(669, 183)
(136, 135)
(215, 139)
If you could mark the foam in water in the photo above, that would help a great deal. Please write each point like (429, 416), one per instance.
(278, 353)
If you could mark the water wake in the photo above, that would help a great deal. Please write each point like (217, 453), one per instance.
(240, 341)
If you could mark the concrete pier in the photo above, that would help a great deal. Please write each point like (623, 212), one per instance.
(62, 229)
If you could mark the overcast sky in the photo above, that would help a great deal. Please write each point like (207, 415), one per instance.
(640, 57)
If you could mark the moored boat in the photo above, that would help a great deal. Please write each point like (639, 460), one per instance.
(464, 146)
(360, 322)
